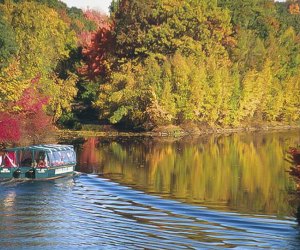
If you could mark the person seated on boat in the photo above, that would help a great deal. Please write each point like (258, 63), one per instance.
(41, 164)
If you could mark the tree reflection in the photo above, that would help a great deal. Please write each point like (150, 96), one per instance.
(244, 172)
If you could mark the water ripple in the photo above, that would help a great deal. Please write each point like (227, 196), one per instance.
(96, 213)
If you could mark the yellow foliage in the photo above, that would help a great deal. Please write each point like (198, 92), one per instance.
(43, 38)
(240, 171)
(12, 86)
(61, 93)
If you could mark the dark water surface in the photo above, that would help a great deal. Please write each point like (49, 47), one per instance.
(192, 193)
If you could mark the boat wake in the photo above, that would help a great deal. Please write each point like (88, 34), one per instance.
(91, 212)
(253, 231)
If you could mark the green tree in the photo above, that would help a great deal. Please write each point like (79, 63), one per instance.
(61, 93)
(8, 45)
(220, 63)
(12, 86)
(43, 38)
(143, 27)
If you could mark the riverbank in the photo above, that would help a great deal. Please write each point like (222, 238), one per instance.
(59, 135)
(167, 131)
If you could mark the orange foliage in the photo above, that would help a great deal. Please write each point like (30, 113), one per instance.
(294, 9)
(97, 17)
(95, 45)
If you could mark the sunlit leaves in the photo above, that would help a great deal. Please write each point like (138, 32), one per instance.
(165, 27)
(96, 46)
(11, 87)
(194, 61)
(61, 94)
(294, 8)
(42, 36)
(8, 45)
(152, 63)
(9, 128)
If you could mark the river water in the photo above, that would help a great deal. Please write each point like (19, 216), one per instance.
(211, 192)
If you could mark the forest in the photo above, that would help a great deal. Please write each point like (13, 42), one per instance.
(149, 63)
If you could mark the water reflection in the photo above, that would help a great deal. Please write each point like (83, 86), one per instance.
(242, 172)
(95, 213)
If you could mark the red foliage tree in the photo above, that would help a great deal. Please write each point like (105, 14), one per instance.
(35, 120)
(9, 128)
(96, 54)
(96, 46)
(29, 120)
(100, 19)
(31, 101)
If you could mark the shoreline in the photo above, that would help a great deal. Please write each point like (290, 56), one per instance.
(61, 135)
(172, 131)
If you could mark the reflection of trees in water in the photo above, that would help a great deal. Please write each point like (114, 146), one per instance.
(89, 157)
(294, 160)
(245, 172)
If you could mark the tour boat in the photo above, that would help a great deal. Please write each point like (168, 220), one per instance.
(38, 162)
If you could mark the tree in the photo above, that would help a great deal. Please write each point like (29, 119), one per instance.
(8, 46)
(286, 18)
(191, 27)
(61, 94)
(294, 8)
(96, 47)
(22, 105)
(157, 46)
(12, 86)
(43, 38)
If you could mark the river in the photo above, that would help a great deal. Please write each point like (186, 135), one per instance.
(210, 192)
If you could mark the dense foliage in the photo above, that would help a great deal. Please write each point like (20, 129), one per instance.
(221, 63)
(37, 86)
(216, 63)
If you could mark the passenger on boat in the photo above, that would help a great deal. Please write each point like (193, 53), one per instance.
(42, 160)
(41, 164)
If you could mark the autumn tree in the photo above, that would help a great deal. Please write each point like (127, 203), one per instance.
(22, 105)
(43, 38)
(61, 93)
(294, 8)
(223, 63)
(8, 46)
(31, 89)
(96, 45)
(151, 63)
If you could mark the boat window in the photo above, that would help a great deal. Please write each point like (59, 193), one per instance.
(26, 158)
(58, 158)
(41, 159)
(70, 156)
(10, 159)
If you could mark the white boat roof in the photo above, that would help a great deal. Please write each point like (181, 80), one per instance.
(43, 147)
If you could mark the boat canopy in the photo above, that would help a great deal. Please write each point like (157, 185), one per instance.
(48, 155)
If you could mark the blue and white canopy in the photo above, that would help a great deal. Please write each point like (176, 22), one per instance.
(43, 147)
(52, 154)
